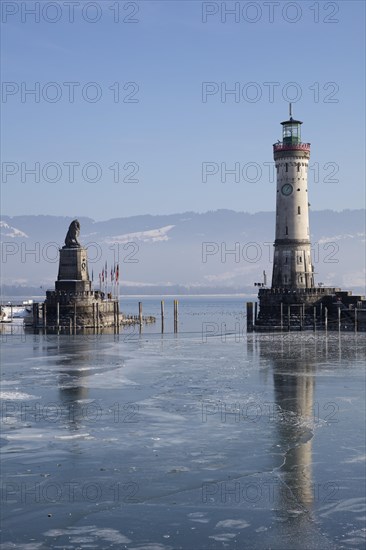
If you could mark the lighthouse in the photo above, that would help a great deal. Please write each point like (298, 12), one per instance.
(293, 302)
(292, 265)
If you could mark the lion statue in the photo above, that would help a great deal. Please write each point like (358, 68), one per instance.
(71, 240)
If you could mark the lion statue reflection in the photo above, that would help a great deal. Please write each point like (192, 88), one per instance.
(71, 240)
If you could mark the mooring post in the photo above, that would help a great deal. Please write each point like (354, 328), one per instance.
(314, 318)
(44, 315)
(34, 316)
(140, 313)
(175, 315)
(58, 314)
(70, 325)
(11, 311)
(93, 314)
(74, 316)
(37, 315)
(339, 319)
(249, 316)
(355, 319)
(288, 317)
(281, 316)
(97, 313)
(162, 315)
(326, 318)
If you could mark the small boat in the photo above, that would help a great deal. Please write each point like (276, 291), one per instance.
(10, 312)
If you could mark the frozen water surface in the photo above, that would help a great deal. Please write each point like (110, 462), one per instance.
(209, 439)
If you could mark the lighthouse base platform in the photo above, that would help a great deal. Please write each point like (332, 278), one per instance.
(318, 308)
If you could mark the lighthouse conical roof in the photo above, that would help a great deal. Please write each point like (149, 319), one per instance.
(291, 121)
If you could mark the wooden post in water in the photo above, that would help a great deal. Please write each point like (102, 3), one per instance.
(140, 315)
(175, 315)
(249, 316)
(74, 316)
(35, 315)
(339, 319)
(70, 325)
(58, 314)
(326, 319)
(44, 315)
(355, 319)
(97, 313)
(255, 312)
(288, 317)
(11, 311)
(93, 314)
(314, 318)
(162, 316)
(117, 311)
(281, 316)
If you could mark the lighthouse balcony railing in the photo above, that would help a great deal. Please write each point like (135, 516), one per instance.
(291, 146)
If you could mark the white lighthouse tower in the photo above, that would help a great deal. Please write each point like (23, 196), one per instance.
(293, 302)
(292, 266)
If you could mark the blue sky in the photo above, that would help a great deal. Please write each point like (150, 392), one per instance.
(168, 132)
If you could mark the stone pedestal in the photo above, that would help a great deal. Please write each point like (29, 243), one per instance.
(73, 303)
(73, 273)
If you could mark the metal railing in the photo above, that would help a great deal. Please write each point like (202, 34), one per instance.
(291, 146)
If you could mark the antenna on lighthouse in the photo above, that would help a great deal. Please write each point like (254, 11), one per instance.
(290, 109)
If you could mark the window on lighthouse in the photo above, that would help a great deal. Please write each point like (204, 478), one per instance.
(298, 210)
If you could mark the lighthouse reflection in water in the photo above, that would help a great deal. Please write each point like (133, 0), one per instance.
(295, 413)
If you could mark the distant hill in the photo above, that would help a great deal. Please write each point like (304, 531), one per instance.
(220, 251)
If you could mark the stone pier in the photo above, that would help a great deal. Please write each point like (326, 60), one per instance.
(73, 303)
(310, 308)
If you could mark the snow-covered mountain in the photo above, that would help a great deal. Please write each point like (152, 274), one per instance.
(221, 249)
(7, 230)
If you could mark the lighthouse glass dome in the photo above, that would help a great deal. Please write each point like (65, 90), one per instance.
(291, 131)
